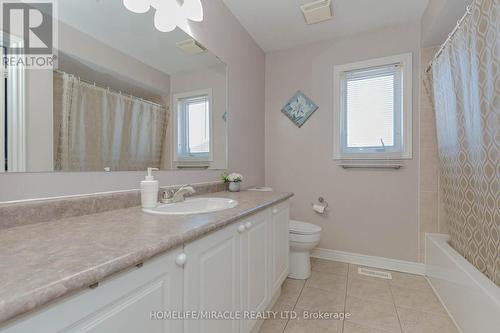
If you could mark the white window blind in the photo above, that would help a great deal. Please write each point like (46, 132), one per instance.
(372, 109)
(373, 113)
(370, 99)
(194, 127)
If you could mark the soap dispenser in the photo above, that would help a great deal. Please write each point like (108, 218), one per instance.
(149, 190)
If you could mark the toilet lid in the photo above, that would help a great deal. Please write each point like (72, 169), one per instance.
(302, 228)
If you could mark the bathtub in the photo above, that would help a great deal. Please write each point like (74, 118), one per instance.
(471, 299)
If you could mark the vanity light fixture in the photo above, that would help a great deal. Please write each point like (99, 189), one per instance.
(169, 13)
(317, 11)
(137, 6)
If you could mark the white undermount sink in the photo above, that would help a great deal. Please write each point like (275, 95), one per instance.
(193, 206)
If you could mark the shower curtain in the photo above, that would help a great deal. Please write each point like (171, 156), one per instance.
(96, 129)
(466, 89)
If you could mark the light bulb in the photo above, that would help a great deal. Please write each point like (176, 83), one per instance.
(168, 13)
(137, 6)
(193, 10)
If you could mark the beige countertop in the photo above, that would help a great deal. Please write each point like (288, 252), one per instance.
(42, 262)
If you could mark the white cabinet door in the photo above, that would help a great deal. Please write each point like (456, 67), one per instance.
(239, 267)
(255, 266)
(280, 245)
(122, 304)
(211, 280)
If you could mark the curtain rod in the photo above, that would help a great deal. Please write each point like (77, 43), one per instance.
(450, 36)
(112, 90)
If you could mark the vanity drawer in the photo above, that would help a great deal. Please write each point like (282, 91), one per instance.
(123, 303)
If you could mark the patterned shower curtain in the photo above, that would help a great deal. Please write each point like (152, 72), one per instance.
(466, 89)
(96, 129)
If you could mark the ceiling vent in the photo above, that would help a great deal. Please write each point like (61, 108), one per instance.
(317, 11)
(190, 46)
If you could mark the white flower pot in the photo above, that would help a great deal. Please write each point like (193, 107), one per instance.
(234, 186)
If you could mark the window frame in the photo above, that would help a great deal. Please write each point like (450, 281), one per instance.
(176, 101)
(14, 108)
(402, 120)
(3, 104)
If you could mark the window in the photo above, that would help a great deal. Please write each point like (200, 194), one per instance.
(3, 114)
(193, 118)
(12, 111)
(373, 109)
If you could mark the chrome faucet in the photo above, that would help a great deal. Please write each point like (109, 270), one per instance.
(177, 196)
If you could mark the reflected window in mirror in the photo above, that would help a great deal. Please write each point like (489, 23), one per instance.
(108, 104)
(12, 112)
(3, 114)
(194, 123)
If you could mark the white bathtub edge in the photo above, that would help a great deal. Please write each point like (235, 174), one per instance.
(445, 307)
(471, 299)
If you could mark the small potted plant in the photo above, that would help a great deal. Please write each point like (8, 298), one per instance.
(234, 180)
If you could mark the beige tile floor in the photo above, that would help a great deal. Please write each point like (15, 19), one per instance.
(405, 304)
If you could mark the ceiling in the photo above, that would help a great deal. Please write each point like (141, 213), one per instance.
(132, 34)
(279, 24)
(440, 18)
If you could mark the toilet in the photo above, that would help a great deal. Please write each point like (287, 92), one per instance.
(303, 238)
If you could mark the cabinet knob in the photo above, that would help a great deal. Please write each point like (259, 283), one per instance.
(241, 229)
(181, 260)
(248, 225)
(275, 211)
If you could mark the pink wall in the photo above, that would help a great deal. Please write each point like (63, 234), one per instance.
(223, 35)
(372, 212)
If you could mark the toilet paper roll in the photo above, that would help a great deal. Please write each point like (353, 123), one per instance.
(319, 209)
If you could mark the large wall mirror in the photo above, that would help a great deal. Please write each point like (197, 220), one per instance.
(124, 97)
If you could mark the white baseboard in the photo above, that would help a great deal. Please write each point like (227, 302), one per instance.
(370, 261)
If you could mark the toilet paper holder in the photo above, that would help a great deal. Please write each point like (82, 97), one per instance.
(323, 203)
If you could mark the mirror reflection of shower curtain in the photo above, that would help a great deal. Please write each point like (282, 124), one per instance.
(96, 129)
(466, 87)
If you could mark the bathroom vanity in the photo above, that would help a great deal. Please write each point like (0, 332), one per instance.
(152, 273)
(123, 100)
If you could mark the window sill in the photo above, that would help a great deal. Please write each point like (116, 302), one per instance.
(372, 156)
(192, 164)
(186, 166)
(370, 164)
